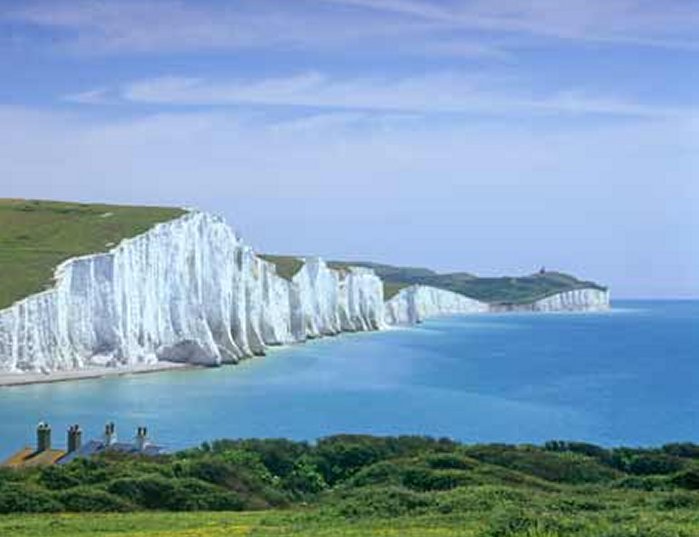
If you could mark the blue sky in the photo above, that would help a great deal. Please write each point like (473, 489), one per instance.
(492, 136)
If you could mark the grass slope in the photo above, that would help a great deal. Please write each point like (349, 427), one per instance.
(287, 266)
(361, 485)
(36, 236)
(505, 289)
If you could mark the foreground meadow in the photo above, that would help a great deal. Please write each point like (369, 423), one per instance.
(359, 486)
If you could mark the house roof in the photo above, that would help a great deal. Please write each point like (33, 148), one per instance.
(28, 457)
(93, 447)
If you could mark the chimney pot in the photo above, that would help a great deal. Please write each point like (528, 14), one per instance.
(43, 437)
(75, 435)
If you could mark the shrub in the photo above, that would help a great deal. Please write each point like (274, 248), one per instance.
(24, 498)
(423, 479)
(279, 456)
(151, 492)
(516, 523)
(449, 461)
(679, 500)
(382, 502)
(195, 495)
(481, 498)
(58, 478)
(687, 480)
(685, 450)
(92, 499)
(188, 494)
(338, 458)
(304, 479)
(654, 464)
(381, 473)
(567, 467)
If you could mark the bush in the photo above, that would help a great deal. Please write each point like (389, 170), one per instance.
(304, 479)
(567, 467)
(279, 456)
(157, 492)
(339, 458)
(687, 480)
(679, 500)
(654, 464)
(92, 499)
(150, 492)
(381, 502)
(82, 471)
(58, 478)
(381, 473)
(423, 479)
(648, 483)
(684, 450)
(449, 461)
(24, 498)
(482, 498)
(195, 495)
(516, 523)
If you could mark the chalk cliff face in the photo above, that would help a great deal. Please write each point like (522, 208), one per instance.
(187, 290)
(417, 302)
(576, 300)
(190, 290)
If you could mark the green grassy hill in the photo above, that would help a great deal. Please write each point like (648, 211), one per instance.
(287, 266)
(362, 485)
(504, 289)
(36, 236)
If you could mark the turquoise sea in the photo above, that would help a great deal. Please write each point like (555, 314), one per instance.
(629, 377)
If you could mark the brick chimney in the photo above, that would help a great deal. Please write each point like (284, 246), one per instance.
(43, 437)
(75, 438)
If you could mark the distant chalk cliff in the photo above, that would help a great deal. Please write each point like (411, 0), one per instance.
(575, 300)
(418, 302)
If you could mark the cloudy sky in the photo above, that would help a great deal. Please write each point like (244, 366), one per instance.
(492, 136)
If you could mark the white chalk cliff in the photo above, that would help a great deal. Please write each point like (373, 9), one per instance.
(415, 303)
(586, 299)
(187, 290)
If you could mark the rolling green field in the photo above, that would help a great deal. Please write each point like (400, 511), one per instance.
(361, 485)
(505, 521)
(36, 236)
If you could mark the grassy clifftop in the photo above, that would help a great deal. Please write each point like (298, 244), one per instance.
(504, 289)
(287, 266)
(36, 236)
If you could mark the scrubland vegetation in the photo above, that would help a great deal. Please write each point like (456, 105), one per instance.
(361, 485)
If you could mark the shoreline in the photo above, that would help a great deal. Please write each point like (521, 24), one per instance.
(9, 380)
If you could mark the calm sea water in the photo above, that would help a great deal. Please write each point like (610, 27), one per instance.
(626, 377)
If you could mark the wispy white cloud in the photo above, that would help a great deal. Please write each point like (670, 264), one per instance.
(131, 26)
(314, 185)
(96, 96)
(671, 24)
(436, 93)
(174, 25)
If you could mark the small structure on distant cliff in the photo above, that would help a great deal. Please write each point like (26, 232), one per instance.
(44, 455)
